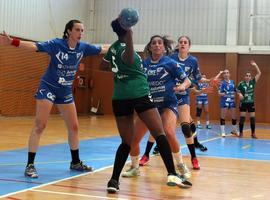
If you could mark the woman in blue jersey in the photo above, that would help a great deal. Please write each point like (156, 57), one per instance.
(56, 88)
(161, 71)
(201, 91)
(227, 92)
(190, 65)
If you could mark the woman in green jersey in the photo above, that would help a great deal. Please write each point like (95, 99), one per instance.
(131, 92)
(245, 91)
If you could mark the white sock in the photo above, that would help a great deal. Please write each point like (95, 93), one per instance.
(178, 157)
(134, 161)
(198, 122)
(207, 122)
(222, 128)
(235, 128)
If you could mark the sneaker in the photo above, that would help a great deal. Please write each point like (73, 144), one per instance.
(144, 160)
(195, 164)
(223, 135)
(199, 126)
(113, 186)
(31, 171)
(80, 167)
(208, 126)
(201, 147)
(176, 180)
(184, 171)
(156, 151)
(131, 172)
(233, 132)
(254, 136)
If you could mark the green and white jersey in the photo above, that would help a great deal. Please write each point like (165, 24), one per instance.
(247, 90)
(130, 81)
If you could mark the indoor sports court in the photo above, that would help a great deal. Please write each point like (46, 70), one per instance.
(225, 35)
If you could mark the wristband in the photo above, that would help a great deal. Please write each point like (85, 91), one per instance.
(15, 42)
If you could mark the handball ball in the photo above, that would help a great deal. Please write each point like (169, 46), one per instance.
(128, 17)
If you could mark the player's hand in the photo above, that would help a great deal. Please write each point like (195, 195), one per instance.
(5, 39)
(253, 63)
(241, 97)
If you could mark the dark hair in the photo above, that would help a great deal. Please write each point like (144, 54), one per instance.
(69, 26)
(117, 28)
(184, 36)
(167, 41)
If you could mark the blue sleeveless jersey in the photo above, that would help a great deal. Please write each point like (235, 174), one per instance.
(192, 70)
(229, 89)
(161, 77)
(64, 61)
(202, 96)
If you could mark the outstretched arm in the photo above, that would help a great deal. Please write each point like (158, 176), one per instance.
(5, 39)
(128, 55)
(258, 75)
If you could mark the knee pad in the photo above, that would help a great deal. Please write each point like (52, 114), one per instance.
(222, 121)
(192, 127)
(242, 120)
(234, 121)
(186, 129)
(199, 112)
(252, 120)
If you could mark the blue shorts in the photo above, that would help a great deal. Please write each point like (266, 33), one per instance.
(57, 95)
(228, 105)
(171, 106)
(202, 101)
(183, 99)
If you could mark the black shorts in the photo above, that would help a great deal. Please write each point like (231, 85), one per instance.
(127, 106)
(247, 107)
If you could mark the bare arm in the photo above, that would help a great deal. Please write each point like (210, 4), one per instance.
(128, 55)
(182, 87)
(5, 39)
(258, 75)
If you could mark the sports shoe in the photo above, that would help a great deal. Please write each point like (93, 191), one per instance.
(176, 180)
(131, 172)
(201, 147)
(156, 151)
(195, 164)
(234, 132)
(31, 171)
(254, 136)
(80, 167)
(113, 186)
(223, 135)
(199, 126)
(184, 171)
(208, 126)
(144, 160)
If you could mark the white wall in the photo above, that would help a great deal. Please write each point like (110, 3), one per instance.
(203, 20)
(42, 19)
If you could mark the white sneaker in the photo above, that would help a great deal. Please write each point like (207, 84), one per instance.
(223, 134)
(176, 180)
(184, 171)
(131, 172)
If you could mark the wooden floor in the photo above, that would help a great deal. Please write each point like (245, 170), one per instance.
(219, 178)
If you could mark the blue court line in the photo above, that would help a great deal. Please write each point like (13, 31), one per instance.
(52, 161)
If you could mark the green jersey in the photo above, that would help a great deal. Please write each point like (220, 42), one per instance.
(130, 81)
(247, 90)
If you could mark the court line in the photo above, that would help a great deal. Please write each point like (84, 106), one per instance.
(246, 146)
(79, 195)
(63, 161)
(53, 182)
